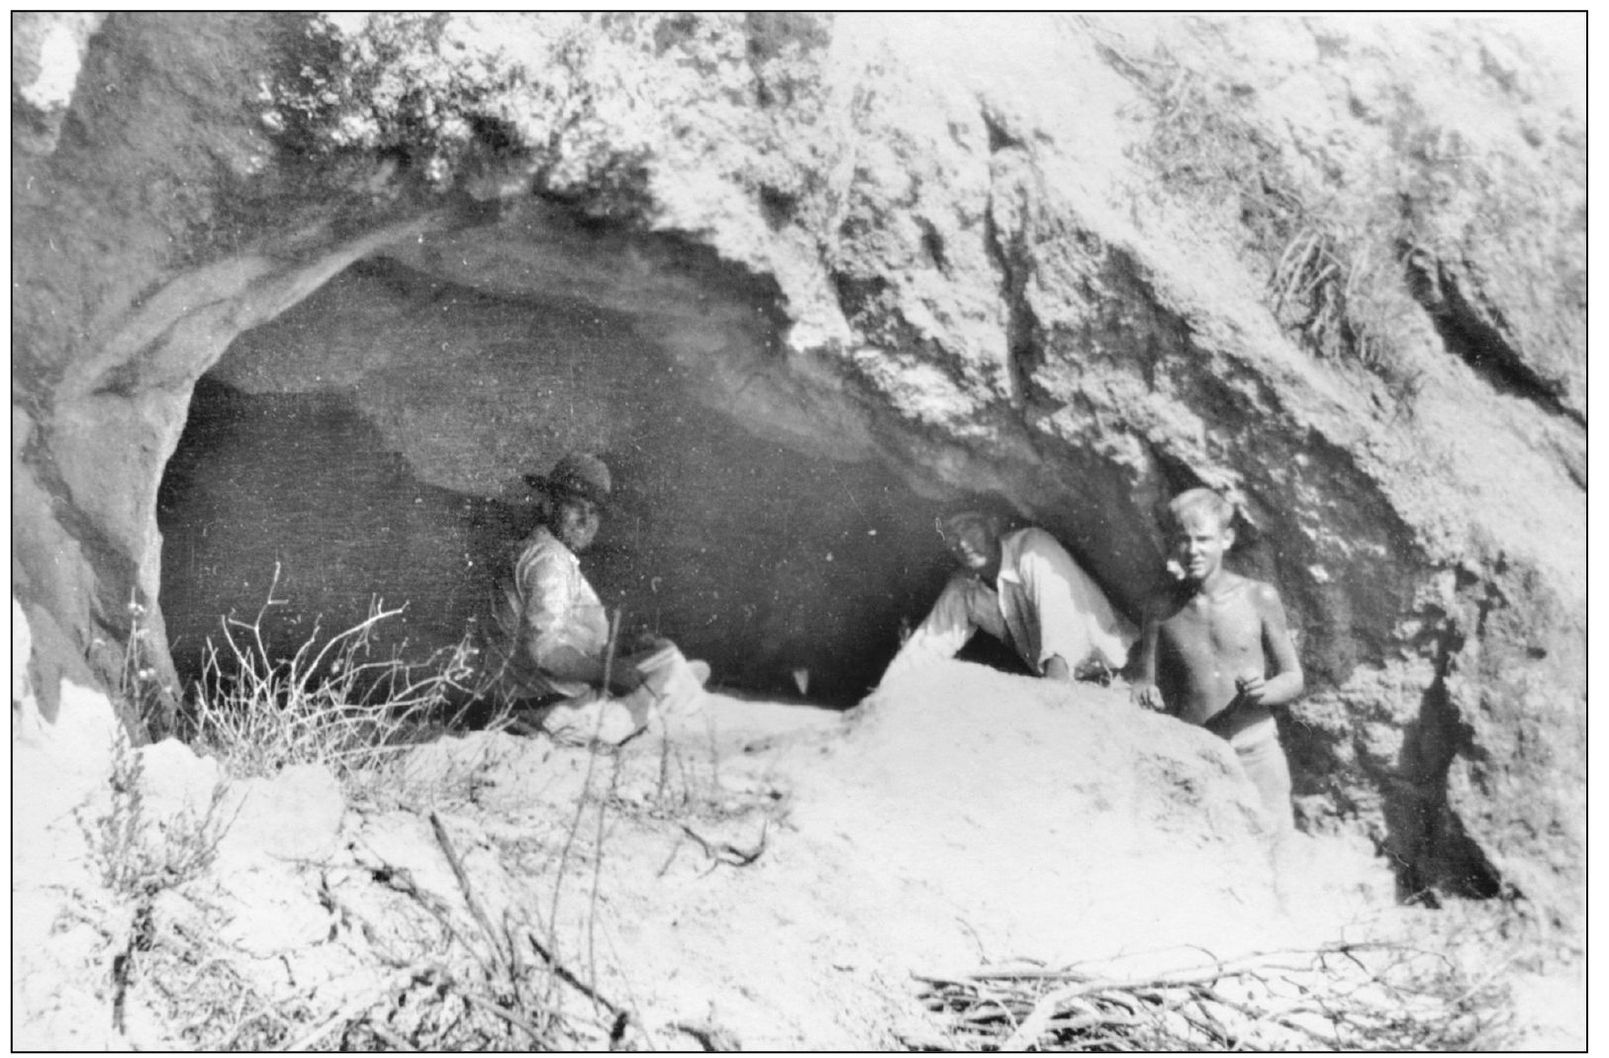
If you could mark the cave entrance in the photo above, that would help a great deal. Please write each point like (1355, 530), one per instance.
(370, 443)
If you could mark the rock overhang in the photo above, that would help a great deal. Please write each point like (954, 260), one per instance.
(420, 402)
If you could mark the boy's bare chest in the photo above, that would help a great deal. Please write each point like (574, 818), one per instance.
(1217, 627)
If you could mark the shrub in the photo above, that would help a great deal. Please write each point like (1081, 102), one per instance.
(332, 703)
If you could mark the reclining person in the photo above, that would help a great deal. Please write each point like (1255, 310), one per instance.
(552, 648)
(1023, 588)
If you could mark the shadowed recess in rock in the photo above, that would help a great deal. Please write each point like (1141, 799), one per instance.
(764, 561)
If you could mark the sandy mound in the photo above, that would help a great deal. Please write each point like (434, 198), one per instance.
(778, 877)
(1062, 822)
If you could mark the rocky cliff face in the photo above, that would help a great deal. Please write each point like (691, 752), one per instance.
(1333, 266)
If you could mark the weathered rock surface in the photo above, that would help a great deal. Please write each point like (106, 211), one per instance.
(1334, 266)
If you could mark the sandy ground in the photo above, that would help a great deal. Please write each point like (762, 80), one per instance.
(765, 876)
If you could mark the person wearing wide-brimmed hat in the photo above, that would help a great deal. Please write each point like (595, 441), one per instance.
(553, 648)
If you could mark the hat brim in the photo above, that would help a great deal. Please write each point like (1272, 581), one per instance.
(562, 489)
(986, 506)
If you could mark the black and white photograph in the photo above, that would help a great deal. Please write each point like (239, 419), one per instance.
(837, 531)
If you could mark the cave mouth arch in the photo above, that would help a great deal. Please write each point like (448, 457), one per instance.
(368, 445)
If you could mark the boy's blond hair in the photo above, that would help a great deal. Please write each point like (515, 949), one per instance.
(1197, 500)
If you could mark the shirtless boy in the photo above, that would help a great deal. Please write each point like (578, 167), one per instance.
(1215, 650)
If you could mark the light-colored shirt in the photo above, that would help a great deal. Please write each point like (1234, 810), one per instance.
(545, 605)
(1041, 605)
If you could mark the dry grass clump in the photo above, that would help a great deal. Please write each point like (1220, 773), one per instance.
(197, 987)
(426, 970)
(1377, 996)
(475, 967)
(1351, 258)
(333, 703)
(1328, 263)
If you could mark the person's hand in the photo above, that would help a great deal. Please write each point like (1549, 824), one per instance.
(1147, 695)
(1251, 688)
(1094, 670)
(625, 678)
(1056, 669)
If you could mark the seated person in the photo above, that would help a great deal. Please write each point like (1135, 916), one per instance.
(553, 635)
(1023, 588)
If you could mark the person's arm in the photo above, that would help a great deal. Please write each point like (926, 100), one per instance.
(942, 634)
(1285, 685)
(1077, 624)
(1048, 573)
(553, 637)
(1145, 692)
(568, 663)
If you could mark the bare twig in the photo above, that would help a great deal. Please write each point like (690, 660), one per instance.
(499, 957)
(597, 874)
(401, 879)
(725, 851)
(586, 790)
(493, 1008)
(569, 978)
(674, 849)
(1355, 1005)
(710, 1036)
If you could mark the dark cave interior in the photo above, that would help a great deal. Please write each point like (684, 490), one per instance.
(768, 563)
